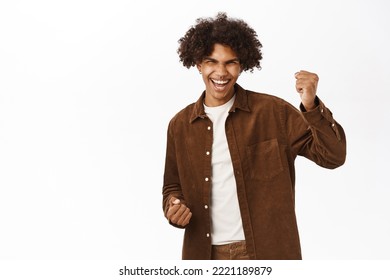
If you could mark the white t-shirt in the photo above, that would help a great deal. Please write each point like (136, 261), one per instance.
(226, 223)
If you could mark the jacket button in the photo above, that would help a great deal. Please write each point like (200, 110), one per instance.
(206, 179)
(207, 234)
(209, 128)
(206, 206)
(207, 153)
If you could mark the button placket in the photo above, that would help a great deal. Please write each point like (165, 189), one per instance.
(207, 176)
(208, 153)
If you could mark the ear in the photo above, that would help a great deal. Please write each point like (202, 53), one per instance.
(199, 67)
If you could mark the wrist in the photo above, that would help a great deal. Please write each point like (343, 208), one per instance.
(309, 106)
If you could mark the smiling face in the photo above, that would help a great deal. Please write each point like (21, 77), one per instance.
(220, 71)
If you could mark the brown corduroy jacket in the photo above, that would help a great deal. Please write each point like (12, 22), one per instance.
(265, 134)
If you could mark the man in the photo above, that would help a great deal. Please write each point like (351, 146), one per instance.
(229, 174)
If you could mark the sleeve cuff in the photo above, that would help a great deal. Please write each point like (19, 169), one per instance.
(321, 112)
(317, 113)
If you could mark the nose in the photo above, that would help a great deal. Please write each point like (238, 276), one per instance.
(221, 69)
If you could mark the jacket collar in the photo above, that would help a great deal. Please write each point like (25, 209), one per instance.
(241, 103)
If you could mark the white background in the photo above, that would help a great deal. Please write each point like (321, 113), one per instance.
(87, 89)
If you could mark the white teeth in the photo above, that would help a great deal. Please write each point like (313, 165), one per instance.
(220, 82)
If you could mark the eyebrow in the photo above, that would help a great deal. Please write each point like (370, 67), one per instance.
(228, 61)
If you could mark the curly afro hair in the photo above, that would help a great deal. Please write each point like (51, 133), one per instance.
(199, 41)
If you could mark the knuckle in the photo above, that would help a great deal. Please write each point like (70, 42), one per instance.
(169, 214)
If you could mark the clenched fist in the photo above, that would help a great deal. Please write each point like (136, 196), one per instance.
(306, 85)
(178, 213)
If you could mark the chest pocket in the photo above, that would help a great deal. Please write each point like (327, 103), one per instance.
(264, 160)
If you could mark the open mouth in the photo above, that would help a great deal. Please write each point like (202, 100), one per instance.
(220, 84)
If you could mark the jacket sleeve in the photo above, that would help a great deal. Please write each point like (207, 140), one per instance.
(171, 185)
(316, 135)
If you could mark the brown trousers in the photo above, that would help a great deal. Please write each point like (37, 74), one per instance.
(231, 251)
